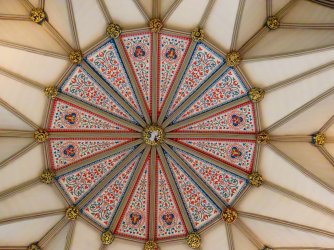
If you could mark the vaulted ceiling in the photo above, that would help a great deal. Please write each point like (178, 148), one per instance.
(249, 132)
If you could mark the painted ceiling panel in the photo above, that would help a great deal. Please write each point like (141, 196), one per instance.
(146, 144)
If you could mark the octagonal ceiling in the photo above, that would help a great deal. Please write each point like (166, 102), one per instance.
(76, 97)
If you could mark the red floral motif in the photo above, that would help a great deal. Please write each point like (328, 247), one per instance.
(239, 154)
(69, 117)
(106, 61)
(168, 217)
(79, 182)
(227, 88)
(172, 50)
(103, 207)
(138, 48)
(227, 185)
(134, 221)
(224, 121)
(202, 65)
(200, 208)
(81, 149)
(82, 86)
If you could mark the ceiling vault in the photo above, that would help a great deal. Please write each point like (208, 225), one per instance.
(154, 117)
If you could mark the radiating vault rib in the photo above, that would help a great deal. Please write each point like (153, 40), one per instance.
(69, 236)
(229, 235)
(309, 26)
(16, 133)
(171, 10)
(31, 216)
(52, 233)
(264, 30)
(280, 222)
(250, 235)
(129, 190)
(105, 11)
(115, 95)
(192, 174)
(269, 8)
(133, 79)
(206, 157)
(219, 135)
(33, 50)
(288, 54)
(19, 188)
(327, 125)
(103, 113)
(326, 154)
(205, 115)
(175, 191)
(73, 24)
(9, 17)
(142, 9)
(153, 191)
(88, 134)
(176, 82)
(18, 154)
(297, 197)
(197, 93)
(206, 13)
(236, 28)
(299, 77)
(301, 169)
(299, 110)
(114, 173)
(98, 156)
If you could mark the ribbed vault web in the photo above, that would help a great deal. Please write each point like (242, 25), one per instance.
(166, 128)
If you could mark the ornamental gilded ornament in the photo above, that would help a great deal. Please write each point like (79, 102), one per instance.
(47, 177)
(51, 92)
(319, 139)
(75, 56)
(233, 58)
(255, 179)
(155, 25)
(153, 135)
(256, 94)
(107, 238)
(37, 15)
(194, 240)
(197, 34)
(41, 135)
(72, 213)
(262, 137)
(272, 23)
(229, 215)
(151, 245)
(114, 30)
(34, 246)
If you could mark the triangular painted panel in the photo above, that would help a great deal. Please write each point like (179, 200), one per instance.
(102, 208)
(76, 184)
(200, 207)
(172, 50)
(226, 185)
(226, 88)
(66, 151)
(237, 153)
(108, 64)
(169, 221)
(69, 117)
(240, 119)
(82, 86)
(134, 221)
(138, 49)
(203, 64)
